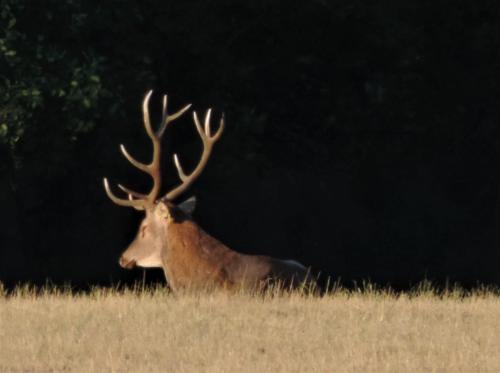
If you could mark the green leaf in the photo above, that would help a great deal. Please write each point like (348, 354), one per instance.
(12, 23)
(3, 129)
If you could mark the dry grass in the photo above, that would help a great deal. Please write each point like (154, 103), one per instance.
(155, 331)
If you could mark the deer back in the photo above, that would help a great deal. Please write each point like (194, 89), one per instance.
(194, 258)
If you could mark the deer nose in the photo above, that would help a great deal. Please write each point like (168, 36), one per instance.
(126, 263)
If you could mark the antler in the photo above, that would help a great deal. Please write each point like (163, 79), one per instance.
(138, 200)
(208, 142)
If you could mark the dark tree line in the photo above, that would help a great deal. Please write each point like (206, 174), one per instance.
(362, 139)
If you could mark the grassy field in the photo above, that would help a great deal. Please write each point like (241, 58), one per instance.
(156, 331)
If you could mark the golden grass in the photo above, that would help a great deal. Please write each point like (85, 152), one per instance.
(156, 331)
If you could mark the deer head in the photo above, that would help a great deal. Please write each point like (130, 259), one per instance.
(147, 248)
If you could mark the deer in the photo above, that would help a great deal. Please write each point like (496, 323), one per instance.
(170, 239)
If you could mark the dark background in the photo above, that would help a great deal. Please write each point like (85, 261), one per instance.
(362, 138)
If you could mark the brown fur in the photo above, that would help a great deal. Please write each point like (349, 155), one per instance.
(194, 259)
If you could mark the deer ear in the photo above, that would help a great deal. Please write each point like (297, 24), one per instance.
(188, 205)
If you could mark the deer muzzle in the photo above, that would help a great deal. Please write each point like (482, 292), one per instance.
(127, 263)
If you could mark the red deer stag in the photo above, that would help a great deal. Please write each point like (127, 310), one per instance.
(170, 239)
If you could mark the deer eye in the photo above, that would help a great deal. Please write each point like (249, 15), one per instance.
(143, 230)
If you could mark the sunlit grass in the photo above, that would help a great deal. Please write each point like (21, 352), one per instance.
(152, 329)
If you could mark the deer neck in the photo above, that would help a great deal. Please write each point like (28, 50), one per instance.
(192, 257)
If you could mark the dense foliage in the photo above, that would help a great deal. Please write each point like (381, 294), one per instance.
(362, 138)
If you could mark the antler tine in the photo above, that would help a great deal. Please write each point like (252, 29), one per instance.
(140, 208)
(167, 119)
(145, 115)
(137, 204)
(131, 192)
(207, 122)
(218, 134)
(198, 125)
(173, 117)
(153, 168)
(180, 171)
(141, 166)
(164, 109)
(208, 142)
